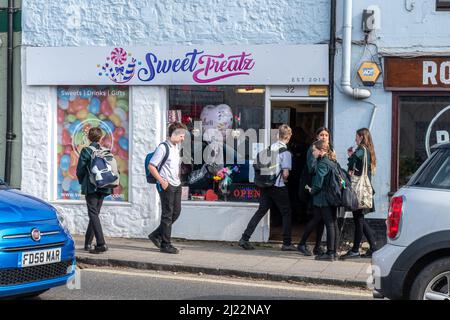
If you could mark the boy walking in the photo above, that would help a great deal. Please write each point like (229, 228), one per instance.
(277, 194)
(167, 175)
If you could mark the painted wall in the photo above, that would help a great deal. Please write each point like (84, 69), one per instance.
(127, 22)
(423, 29)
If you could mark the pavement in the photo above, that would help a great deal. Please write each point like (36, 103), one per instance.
(266, 262)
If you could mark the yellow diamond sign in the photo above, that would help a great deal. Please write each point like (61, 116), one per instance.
(369, 73)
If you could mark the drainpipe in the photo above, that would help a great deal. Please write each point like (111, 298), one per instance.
(332, 54)
(356, 93)
(10, 136)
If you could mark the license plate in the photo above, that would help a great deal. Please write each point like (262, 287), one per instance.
(36, 258)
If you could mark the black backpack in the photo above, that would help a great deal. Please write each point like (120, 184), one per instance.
(266, 172)
(339, 192)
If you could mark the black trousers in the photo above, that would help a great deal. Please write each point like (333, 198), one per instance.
(94, 203)
(170, 212)
(327, 216)
(362, 227)
(278, 196)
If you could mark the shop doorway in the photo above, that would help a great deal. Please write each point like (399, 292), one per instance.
(304, 117)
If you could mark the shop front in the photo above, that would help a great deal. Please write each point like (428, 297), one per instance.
(420, 111)
(132, 94)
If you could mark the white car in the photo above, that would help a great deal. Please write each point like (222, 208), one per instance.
(415, 262)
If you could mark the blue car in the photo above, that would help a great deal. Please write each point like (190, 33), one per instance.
(36, 252)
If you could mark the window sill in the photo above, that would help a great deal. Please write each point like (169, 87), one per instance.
(82, 202)
(189, 203)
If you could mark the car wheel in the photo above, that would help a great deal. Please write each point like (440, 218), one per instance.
(433, 282)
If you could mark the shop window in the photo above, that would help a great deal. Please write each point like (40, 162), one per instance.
(78, 110)
(443, 5)
(417, 116)
(231, 113)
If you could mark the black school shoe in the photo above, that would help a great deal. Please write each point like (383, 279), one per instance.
(99, 249)
(156, 240)
(88, 247)
(303, 249)
(368, 254)
(169, 249)
(326, 257)
(318, 251)
(246, 245)
(288, 247)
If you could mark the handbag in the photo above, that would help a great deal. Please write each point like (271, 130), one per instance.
(363, 187)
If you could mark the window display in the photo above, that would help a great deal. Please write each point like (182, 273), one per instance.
(219, 119)
(78, 110)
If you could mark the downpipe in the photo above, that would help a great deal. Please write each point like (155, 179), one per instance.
(10, 136)
(356, 93)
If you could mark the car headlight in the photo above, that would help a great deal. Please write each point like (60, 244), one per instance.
(60, 218)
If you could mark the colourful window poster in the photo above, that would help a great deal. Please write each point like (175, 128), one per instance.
(79, 109)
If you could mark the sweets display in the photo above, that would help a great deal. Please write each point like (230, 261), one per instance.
(78, 110)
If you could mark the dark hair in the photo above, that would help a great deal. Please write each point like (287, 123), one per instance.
(95, 134)
(367, 142)
(318, 131)
(175, 126)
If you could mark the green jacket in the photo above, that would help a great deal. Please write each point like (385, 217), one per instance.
(356, 162)
(320, 179)
(83, 174)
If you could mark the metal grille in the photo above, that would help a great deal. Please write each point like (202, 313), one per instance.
(17, 276)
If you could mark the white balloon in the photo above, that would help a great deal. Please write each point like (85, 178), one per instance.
(217, 117)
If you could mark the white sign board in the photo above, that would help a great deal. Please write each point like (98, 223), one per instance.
(193, 65)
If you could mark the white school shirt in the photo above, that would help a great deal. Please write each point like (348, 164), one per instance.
(284, 162)
(170, 171)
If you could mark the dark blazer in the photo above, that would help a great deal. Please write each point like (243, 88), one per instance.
(83, 174)
(356, 162)
(320, 179)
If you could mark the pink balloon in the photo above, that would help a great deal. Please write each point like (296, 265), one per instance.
(105, 108)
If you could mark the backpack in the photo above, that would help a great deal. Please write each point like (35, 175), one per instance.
(150, 178)
(339, 192)
(103, 171)
(267, 174)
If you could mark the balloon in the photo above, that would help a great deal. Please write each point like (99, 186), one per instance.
(105, 108)
(102, 117)
(107, 141)
(71, 118)
(124, 180)
(60, 176)
(118, 190)
(75, 186)
(63, 94)
(115, 119)
(112, 100)
(123, 143)
(217, 118)
(115, 149)
(60, 116)
(122, 104)
(107, 125)
(121, 114)
(122, 165)
(123, 154)
(94, 106)
(59, 190)
(63, 104)
(73, 172)
(66, 184)
(118, 133)
(74, 126)
(82, 114)
(68, 150)
(59, 149)
(66, 138)
(65, 162)
(91, 116)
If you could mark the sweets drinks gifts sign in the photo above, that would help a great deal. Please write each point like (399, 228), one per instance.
(227, 65)
(78, 110)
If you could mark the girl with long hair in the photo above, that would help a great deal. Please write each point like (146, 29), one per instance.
(323, 210)
(366, 150)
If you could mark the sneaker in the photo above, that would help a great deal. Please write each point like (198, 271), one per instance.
(88, 247)
(169, 249)
(156, 240)
(245, 244)
(350, 254)
(318, 251)
(303, 249)
(326, 257)
(289, 247)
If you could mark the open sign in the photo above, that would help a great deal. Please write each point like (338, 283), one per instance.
(244, 192)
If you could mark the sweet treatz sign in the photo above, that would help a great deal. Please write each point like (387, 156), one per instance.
(233, 65)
